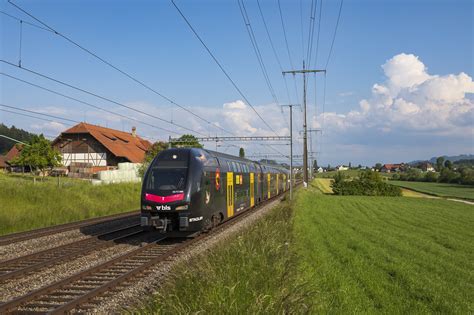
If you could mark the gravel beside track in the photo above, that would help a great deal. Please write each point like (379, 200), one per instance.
(34, 234)
(106, 264)
(140, 291)
(26, 247)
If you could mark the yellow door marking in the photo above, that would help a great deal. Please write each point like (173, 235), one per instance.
(269, 177)
(252, 190)
(278, 187)
(230, 194)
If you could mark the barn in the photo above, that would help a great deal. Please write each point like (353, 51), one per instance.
(100, 147)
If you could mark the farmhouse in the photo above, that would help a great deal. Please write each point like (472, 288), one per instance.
(100, 147)
(342, 168)
(388, 168)
(3, 163)
(426, 167)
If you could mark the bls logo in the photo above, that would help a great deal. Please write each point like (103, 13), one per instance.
(163, 207)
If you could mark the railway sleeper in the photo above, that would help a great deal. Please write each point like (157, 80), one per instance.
(43, 305)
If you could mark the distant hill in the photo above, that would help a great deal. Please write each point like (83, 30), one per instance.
(453, 158)
(12, 132)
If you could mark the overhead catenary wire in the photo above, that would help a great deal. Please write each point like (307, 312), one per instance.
(88, 104)
(39, 113)
(99, 96)
(123, 72)
(26, 22)
(220, 66)
(31, 116)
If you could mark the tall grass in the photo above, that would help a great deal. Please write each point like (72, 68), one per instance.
(439, 189)
(251, 273)
(387, 255)
(25, 205)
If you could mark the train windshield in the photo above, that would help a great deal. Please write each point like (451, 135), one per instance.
(168, 173)
(166, 179)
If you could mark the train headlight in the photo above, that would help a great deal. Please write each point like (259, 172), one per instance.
(185, 207)
(146, 208)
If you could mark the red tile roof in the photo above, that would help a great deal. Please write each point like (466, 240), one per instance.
(13, 153)
(119, 143)
(392, 166)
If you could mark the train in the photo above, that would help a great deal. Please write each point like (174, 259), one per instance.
(194, 190)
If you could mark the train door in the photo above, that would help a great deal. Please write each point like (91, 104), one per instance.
(252, 189)
(269, 178)
(230, 194)
(278, 184)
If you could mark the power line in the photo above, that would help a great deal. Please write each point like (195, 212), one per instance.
(98, 96)
(38, 113)
(88, 104)
(256, 49)
(319, 31)
(220, 66)
(311, 31)
(335, 32)
(26, 115)
(133, 78)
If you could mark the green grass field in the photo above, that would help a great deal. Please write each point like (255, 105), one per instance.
(387, 255)
(334, 254)
(26, 206)
(439, 189)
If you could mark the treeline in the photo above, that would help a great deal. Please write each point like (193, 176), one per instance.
(15, 133)
(367, 184)
(459, 172)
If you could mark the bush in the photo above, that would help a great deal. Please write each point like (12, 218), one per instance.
(368, 184)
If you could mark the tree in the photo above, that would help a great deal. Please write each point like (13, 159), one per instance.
(187, 141)
(315, 165)
(378, 166)
(38, 155)
(439, 163)
(242, 152)
(350, 165)
(156, 148)
(448, 164)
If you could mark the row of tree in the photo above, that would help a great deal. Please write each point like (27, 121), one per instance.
(460, 172)
(15, 133)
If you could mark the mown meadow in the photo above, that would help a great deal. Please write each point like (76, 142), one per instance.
(439, 189)
(25, 205)
(386, 254)
(334, 254)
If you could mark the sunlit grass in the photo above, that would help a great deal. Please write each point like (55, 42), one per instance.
(25, 205)
(386, 255)
(439, 189)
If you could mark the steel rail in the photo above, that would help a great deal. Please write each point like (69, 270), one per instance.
(25, 264)
(70, 293)
(22, 236)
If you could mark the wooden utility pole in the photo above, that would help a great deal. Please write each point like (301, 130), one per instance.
(291, 146)
(304, 71)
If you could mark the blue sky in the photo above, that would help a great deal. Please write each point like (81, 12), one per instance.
(150, 40)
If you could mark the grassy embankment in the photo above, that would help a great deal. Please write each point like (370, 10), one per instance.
(25, 205)
(335, 254)
(252, 273)
(439, 189)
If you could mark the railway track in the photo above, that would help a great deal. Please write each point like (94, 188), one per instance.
(23, 236)
(24, 265)
(83, 291)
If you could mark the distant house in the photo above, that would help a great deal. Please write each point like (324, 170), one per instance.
(320, 169)
(426, 167)
(390, 168)
(342, 168)
(3, 163)
(100, 147)
(11, 155)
